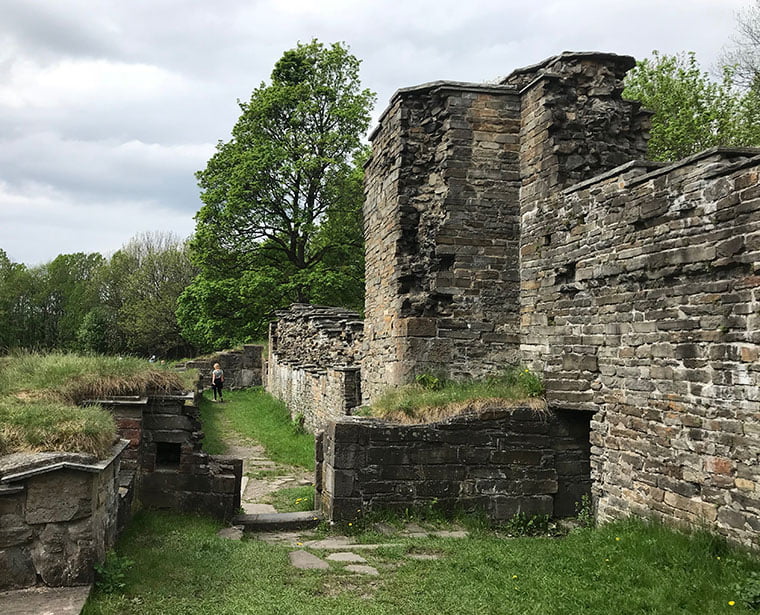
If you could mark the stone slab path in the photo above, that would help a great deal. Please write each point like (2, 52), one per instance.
(262, 476)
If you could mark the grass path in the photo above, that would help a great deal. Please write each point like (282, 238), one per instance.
(235, 428)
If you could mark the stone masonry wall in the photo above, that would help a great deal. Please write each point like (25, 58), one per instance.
(648, 302)
(500, 461)
(58, 517)
(313, 364)
(242, 368)
(638, 281)
(441, 229)
(165, 462)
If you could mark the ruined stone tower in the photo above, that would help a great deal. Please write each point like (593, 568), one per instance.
(457, 170)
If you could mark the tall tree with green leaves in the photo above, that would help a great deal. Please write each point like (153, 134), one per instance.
(692, 111)
(268, 232)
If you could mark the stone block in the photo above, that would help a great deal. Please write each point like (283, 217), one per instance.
(416, 327)
(64, 495)
(17, 569)
(14, 531)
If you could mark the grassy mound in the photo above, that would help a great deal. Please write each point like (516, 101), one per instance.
(40, 393)
(431, 399)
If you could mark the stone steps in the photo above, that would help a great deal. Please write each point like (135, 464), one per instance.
(271, 522)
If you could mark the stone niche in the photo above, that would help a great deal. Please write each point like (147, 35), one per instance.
(165, 463)
(499, 460)
(58, 516)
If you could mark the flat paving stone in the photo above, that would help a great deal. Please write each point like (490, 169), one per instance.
(358, 568)
(342, 543)
(252, 508)
(292, 539)
(450, 534)
(306, 561)
(232, 533)
(384, 529)
(44, 601)
(346, 556)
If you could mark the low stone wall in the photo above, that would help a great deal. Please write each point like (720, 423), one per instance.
(166, 461)
(313, 362)
(58, 516)
(499, 460)
(242, 368)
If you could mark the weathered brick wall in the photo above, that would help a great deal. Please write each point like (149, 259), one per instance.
(441, 227)
(500, 461)
(313, 365)
(647, 293)
(58, 517)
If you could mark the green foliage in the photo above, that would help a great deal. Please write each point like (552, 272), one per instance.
(281, 214)
(522, 524)
(748, 591)
(112, 573)
(692, 112)
(292, 499)
(86, 303)
(584, 511)
(48, 425)
(39, 394)
(429, 382)
(147, 276)
(627, 568)
(524, 381)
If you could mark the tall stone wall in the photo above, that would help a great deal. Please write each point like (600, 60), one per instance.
(313, 365)
(441, 228)
(648, 304)
(638, 281)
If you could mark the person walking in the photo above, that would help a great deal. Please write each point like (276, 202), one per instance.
(217, 381)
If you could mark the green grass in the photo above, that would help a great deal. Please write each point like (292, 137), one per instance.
(626, 568)
(256, 415)
(40, 393)
(292, 499)
(431, 398)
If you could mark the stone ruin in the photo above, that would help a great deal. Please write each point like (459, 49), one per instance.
(520, 222)
(61, 512)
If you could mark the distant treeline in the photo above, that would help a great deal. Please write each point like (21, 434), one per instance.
(125, 304)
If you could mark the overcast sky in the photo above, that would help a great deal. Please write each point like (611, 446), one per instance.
(108, 107)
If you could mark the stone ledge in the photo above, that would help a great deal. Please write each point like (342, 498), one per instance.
(278, 521)
(32, 465)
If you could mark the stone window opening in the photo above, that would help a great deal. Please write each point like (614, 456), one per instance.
(168, 454)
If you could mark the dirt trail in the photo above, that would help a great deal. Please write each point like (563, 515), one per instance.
(261, 475)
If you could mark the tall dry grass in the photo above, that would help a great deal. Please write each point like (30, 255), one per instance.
(40, 396)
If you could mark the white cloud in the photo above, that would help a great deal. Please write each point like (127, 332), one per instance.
(39, 223)
(80, 83)
(108, 108)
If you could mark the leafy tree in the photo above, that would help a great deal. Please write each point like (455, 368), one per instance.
(69, 292)
(269, 231)
(17, 312)
(692, 112)
(744, 52)
(146, 278)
